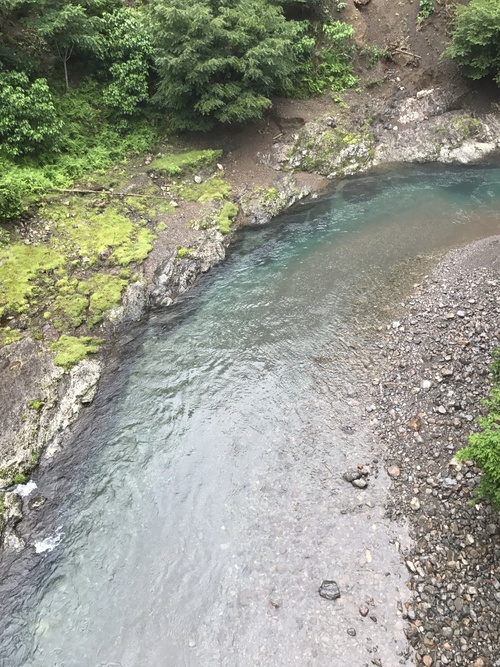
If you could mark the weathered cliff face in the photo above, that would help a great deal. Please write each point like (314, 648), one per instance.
(428, 127)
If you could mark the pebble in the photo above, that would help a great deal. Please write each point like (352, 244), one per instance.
(363, 610)
(415, 504)
(393, 471)
(329, 590)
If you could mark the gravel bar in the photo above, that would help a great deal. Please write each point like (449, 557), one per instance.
(432, 371)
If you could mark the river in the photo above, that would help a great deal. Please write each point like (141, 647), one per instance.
(201, 502)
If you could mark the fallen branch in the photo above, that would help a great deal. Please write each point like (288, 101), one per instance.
(407, 53)
(107, 193)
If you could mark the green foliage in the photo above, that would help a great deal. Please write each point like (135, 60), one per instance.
(127, 44)
(88, 142)
(425, 10)
(20, 188)
(475, 41)
(28, 120)
(331, 67)
(212, 188)
(495, 366)
(36, 405)
(70, 350)
(374, 53)
(19, 479)
(105, 293)
(484, 446)
(219, 61)
(66, 27)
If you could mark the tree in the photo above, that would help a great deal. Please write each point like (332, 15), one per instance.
(65, 26)
(28, 120)
(126, 44)
(219, 60)
(475, 42)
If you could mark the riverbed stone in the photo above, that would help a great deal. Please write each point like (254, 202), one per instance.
(329, 590)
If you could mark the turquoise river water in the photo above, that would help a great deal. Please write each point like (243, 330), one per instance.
(200, 503)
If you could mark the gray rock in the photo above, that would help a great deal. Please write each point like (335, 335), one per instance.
(329, 590)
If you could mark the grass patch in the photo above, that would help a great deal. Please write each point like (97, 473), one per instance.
(70, 349)
(176, 164)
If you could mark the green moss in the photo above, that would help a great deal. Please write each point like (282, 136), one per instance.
(468, 126)
(20, 265)
(70, 309)
(19, 479)
(36, 405)
(225, 217)
(8, 336)
(185, 253)
(70, 350)
(135, 249)
(160, 227)
(90, 234)
(181, 163)
(164, 207)
(104, 293)
(213, 188)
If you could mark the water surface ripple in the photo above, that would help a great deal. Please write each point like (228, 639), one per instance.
(208, 504)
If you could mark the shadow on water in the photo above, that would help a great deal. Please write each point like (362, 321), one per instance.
(199, 400)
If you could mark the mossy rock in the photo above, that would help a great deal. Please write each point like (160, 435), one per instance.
(70, 349)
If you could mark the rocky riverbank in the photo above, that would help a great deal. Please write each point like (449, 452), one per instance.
(432, 371)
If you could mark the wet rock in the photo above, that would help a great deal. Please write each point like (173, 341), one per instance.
(329, 590)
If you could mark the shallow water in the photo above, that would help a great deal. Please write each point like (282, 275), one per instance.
(210, 505)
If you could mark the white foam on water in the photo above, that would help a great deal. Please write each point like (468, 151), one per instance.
(24, 490)
(49, 543)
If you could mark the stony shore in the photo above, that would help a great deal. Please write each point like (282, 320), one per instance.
(431, 373)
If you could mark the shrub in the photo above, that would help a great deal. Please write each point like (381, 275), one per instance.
(484, 446)
(475, 42)
(28, 120)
